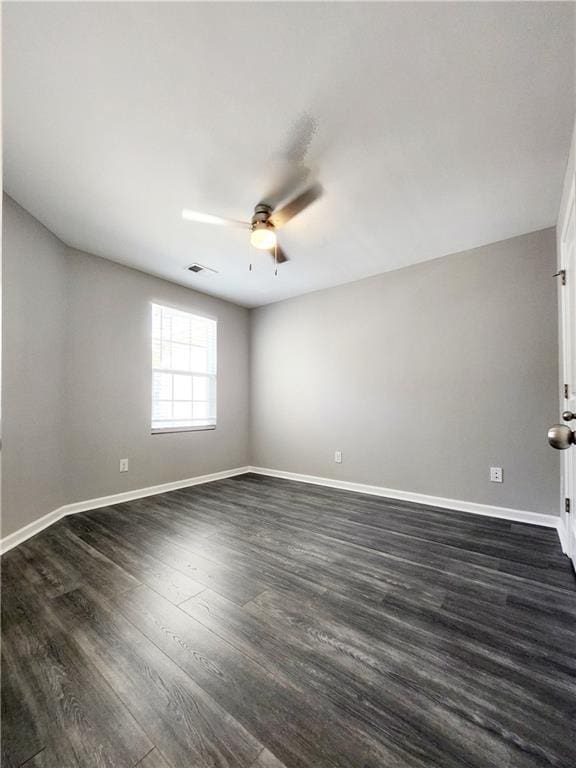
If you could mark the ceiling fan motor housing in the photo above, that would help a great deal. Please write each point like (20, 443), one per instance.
(261, 216)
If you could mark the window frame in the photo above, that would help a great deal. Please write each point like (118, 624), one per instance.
(210, 376)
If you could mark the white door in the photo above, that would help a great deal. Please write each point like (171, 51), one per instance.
(567, 289)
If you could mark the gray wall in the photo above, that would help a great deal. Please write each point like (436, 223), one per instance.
(107, 416)
(76, 383)
(423, 377)
(33, 337)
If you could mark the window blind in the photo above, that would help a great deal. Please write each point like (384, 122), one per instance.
(183, 370)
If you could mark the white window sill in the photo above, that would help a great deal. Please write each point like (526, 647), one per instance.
(168, 430)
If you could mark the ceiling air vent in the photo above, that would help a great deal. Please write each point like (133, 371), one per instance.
(200, 268)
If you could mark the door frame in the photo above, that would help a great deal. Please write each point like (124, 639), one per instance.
(567, 328)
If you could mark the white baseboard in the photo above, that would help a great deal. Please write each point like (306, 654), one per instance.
(8, 542)
(505, 513)
(567, 537)
(563, 536)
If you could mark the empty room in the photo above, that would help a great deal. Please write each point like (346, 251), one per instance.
(288, 385)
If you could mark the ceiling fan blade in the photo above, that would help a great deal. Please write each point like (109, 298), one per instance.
(288, 168)
(207, 218)
(280, 255)
(296, 206)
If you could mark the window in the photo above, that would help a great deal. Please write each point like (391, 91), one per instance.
(183, 370)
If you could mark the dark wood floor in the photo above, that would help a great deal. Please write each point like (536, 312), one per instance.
(265, 623)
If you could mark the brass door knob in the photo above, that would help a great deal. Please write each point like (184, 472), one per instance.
(568, 415)
(561, 437)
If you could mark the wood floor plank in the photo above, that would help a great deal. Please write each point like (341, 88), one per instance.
(181, 719)
(21, 739)
(175, 553)
(355, 572)
(51, 575)
(255, 622)
(272, 569)
(42, 759)
(531, 718)
(415, 550)
(154, 759)
(395, 711)
(360, 521)
(430, 643)
(58, 549)
(347, 665)
(293, 723)
(514, 622)
(172, 584)
(267, 760)
(467, 544)
(75, 713)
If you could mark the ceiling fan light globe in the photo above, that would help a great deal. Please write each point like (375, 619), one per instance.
(263, 238)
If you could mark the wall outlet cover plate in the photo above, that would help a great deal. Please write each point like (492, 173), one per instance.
(496, 475)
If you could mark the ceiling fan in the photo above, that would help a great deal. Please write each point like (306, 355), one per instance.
(265, 221)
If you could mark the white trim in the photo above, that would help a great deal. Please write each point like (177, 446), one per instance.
(505, 513)
(8, 542)
(563, 536)
(171, 430)
(567, 340)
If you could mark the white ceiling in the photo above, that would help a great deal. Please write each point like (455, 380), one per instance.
(432, 127)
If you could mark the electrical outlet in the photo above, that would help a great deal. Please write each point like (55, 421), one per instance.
(338, 457)
(123, 465)
(496, 475)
